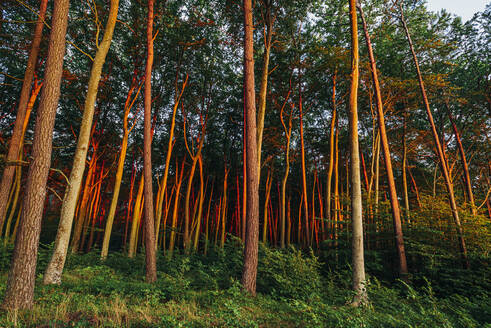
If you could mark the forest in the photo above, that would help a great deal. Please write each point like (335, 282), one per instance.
(239, 163)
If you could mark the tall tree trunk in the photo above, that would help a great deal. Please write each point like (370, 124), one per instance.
(150, 258)
(304, 174)
(201, 201)
(268, 34)
(15, 140)
(356, 201)
(404, 169)
(22, 274)
(57, 262)
(331, 150)
(394, 202)
(249, 272)
(223, 209)
(119, 171)
(288, 134)
(163, 184)
(439, 149)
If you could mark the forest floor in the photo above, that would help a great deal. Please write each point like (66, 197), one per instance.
(295, 289)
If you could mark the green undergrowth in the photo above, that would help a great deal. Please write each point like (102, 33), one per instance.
(295, 289)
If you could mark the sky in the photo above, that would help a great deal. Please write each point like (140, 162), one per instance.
(462, 8)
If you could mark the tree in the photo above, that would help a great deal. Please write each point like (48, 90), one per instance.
(22, 274)
(150, 258)
(252, 225)
(57, 262)
(356, 200)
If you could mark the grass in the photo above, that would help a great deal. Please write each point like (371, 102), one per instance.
(295, 289)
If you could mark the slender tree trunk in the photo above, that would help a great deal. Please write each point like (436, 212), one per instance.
(268, 34)
(170, 146)
(201, 201)
(439, 149)
(266, 203)
(249, 272)
(304, 174)
(394, 202)
(57, 262)
(467, 176)
(331, 150)
(223, 210)
(288, 134)
(172, 241)
(356, 201)
(82, 207)
(136, 218)
(15, 141)
(404, 174)
(22, 274)
(150, 258)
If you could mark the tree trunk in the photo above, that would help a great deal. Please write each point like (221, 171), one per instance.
(22, 274)
(249, 272)
(394, 202)
(57, 262)
(15, 141)
(404, 173)
(356, 201)
(304, 174)
(150, 258)
(288, 134)
(170, 146)
(467, 176)
(439, 149)
(268, 34)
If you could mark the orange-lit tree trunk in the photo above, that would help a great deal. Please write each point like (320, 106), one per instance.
(172, 240)
(15, 140)
(249, 272)
(394, 202)
(304, 174)
(356, 200)
(21, 278)
(201, 201)
(195, 155)
(439, 149)
(163, 184)
(119, 171)
(136, 218)
(223, 209)
(288, 134)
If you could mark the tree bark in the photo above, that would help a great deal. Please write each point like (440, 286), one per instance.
(249, 272)
(55, 267)
(15, 141)
(356, 200)
(22, 274)
(150, 258)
